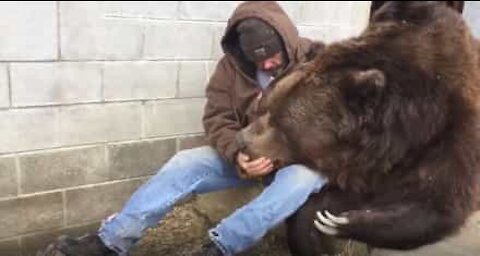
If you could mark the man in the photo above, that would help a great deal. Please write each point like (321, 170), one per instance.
(261, 45)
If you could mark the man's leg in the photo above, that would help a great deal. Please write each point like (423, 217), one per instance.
(288, 191)
(197, 170)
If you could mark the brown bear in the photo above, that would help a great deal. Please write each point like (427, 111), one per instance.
(390, 118)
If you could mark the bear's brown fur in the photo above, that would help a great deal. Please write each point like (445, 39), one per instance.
(390, 118)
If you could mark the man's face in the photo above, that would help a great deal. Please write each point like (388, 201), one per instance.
(272, 65)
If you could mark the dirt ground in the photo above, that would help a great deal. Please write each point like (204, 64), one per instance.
(183, 230)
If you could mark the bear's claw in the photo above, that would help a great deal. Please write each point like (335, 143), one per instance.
(329, 223)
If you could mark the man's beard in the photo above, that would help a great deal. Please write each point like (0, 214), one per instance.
(275, 72)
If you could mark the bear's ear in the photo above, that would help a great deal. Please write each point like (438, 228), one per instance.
(365, 89)
(405, 11)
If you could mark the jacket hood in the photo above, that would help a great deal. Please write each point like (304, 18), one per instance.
(269, 12)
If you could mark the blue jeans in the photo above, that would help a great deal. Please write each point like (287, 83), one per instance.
(202, 170)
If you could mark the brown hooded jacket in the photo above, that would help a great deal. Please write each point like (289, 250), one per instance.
(232, 92)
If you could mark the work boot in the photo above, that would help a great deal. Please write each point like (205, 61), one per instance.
(87, 245)
(209, 248)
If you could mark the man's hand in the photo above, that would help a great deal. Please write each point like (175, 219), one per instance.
(254, 168)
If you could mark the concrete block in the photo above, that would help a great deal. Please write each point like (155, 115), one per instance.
(327, 34)
(342, 33)
(174, 117)
(218, 31)
(194, 41)
(29, 30)
(328, 13)
(98, 202)
(212, 10)
(175, 40)
(192, 79)
(139, 158)
(62, 168)
(360, 16)
(141, 9)
(10, 247)
(113, 40)
(28, 214)
(140, 80)
(471, 14)
(87, 34)
(8, 177)
(321, 33)
(27, 129)
(293, 9)
(160, 40)
(99, 123)
(4, 87)
(191, 142)
(55, 83)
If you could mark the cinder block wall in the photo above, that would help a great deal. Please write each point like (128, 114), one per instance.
(471, 13)
(96, 96)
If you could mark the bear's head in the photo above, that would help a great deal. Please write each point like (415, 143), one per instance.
(315, 114)
(366, 104)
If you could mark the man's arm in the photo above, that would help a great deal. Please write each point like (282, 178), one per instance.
(220, 121)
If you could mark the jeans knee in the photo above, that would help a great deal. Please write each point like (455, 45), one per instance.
(194, 156)
(301, 177)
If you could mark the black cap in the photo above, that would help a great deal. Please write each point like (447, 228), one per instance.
(258, 40)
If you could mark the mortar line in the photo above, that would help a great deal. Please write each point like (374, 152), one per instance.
(93, 144)
(19, 174)
(9, 84)
(64, 190)
(64, 206)
(59, 50)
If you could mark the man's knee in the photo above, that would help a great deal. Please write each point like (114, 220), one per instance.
(203, 153)
(196, 157)
(300, 176)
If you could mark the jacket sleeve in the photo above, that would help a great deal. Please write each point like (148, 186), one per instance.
(220, 120)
